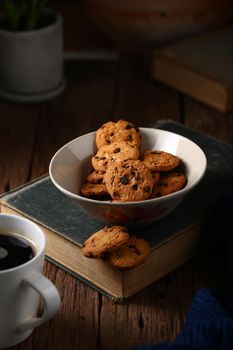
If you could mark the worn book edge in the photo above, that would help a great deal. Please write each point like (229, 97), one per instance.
(116, 284)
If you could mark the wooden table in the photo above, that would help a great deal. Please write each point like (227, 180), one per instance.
(30, 134)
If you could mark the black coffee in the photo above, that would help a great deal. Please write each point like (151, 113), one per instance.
(15, 250)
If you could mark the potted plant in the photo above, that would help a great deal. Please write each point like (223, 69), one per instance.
(31, 51)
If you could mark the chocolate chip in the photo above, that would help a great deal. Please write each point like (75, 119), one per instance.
(135, 187)
(146, 189)
(137, 252)
(112, 134)
(129, 126)
(117, 150)
(102, 158)
(124, 180)
(130, 138)
(98, 181)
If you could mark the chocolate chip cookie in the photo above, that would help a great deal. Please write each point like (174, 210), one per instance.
(116, 151)
(129, 180)
(96, 177)
(160, 160)
(130, 255)
(105, 240)
(94, 191)
(169, 183)
(156, 177)
(121, 130)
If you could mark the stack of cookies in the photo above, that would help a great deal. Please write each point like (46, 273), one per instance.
(117, 247)
(121, 172)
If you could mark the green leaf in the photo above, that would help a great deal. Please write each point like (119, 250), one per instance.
(14, 13)
(11, 13)
(24, 13)
(35, 9)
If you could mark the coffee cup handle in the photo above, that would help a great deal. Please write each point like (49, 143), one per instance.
(49, 296)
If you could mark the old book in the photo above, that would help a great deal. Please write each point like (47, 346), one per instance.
(201, 67)
(175, 239)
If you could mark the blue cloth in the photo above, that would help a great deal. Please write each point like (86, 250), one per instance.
(209, 325)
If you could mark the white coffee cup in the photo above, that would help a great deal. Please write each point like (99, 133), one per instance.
(23, 285)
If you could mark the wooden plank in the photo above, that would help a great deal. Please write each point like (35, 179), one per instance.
(30, 135)
(71, 327)
(26, 151)
(139, 98)
(84, 106)
(17, 126)
(87, 101)
(157, 313)
(208, 120)
(76, 320)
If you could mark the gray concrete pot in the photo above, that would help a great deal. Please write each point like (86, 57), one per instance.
(31, 63)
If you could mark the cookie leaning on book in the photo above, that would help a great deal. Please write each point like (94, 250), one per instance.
(122, 172)
(116, 246)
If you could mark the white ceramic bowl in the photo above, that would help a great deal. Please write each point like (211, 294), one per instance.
(71, 164)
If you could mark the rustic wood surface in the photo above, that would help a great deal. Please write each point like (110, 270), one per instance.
(29, 136)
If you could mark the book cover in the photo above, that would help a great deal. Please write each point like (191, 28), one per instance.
(201, 67)
(174, 239)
